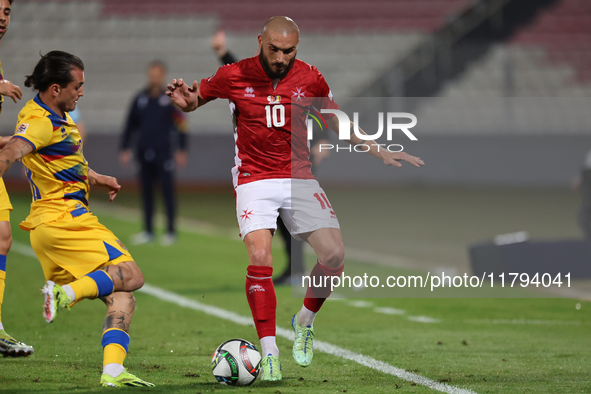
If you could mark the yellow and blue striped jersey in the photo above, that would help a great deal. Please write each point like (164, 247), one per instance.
(56, 168)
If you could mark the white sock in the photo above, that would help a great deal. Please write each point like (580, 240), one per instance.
(70, 293)
(113, 369)
(1, 326)
(269, 346)
(306, 317)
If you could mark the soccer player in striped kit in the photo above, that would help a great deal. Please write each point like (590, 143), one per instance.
(8, 345)
(79, 256)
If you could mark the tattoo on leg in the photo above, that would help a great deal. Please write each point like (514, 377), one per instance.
(108, 323)
(131, 301)
(120, 274)
(119, 319)
(120, 315)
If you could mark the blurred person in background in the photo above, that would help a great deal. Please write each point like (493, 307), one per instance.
(8, 345)
(159, 131)
(583, 184)
(293, 247)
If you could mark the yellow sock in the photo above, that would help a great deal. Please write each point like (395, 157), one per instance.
(115, 344)
(1, 293)
(84, 287)
(96, 284)
(114, 353)
(2, 278)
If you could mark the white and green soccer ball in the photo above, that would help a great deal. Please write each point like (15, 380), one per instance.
(236, 363)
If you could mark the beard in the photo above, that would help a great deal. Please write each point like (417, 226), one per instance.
(267, 67)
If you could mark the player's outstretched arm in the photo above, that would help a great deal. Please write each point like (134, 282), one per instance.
(185, 97)
(14, 150)
(4, 140)
(394, 158)
(109, 182)
(7, 88)
(389, 158)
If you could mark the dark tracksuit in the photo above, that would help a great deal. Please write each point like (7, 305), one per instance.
(157, 128)
(585, 209)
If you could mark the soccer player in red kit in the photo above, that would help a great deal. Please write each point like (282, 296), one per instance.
(260, 90)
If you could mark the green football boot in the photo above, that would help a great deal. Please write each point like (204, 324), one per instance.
(270, 369)
(302, 345)
(55, 300)
(123, 380)
(10, 347)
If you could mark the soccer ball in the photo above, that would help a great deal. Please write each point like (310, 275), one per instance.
(236, 363)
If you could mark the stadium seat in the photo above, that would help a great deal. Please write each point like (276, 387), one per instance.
(348, 41)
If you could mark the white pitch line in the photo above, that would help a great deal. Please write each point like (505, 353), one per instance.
(423, 319)
(321, 346)
(392, 311)
(23, 249)
(389, 311)
(28, 251)
(360, 304)
(131, 215)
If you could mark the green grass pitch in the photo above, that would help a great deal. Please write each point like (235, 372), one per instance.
(483, 345)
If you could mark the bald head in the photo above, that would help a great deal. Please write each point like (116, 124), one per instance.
(281, 25)
(278, 44)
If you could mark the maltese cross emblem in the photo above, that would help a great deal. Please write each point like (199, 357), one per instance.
(246, 214)
(298, 94)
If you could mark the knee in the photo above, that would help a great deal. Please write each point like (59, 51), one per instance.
(5, 243)
(336, 257)
(132, 277)
(260, 257)
(137, 280)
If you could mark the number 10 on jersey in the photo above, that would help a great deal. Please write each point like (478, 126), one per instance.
(277, 113)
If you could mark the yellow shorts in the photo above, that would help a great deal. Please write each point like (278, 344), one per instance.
(5, 215)
(74, 245)
(5, 204)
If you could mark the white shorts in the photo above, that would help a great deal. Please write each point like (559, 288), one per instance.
(302, 204)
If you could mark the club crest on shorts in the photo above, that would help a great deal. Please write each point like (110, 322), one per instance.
(121, 244)
(246, 214)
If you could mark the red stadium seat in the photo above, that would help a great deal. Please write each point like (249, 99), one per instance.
(564, 30)
(373, 15)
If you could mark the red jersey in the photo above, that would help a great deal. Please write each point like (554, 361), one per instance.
(267, 146)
